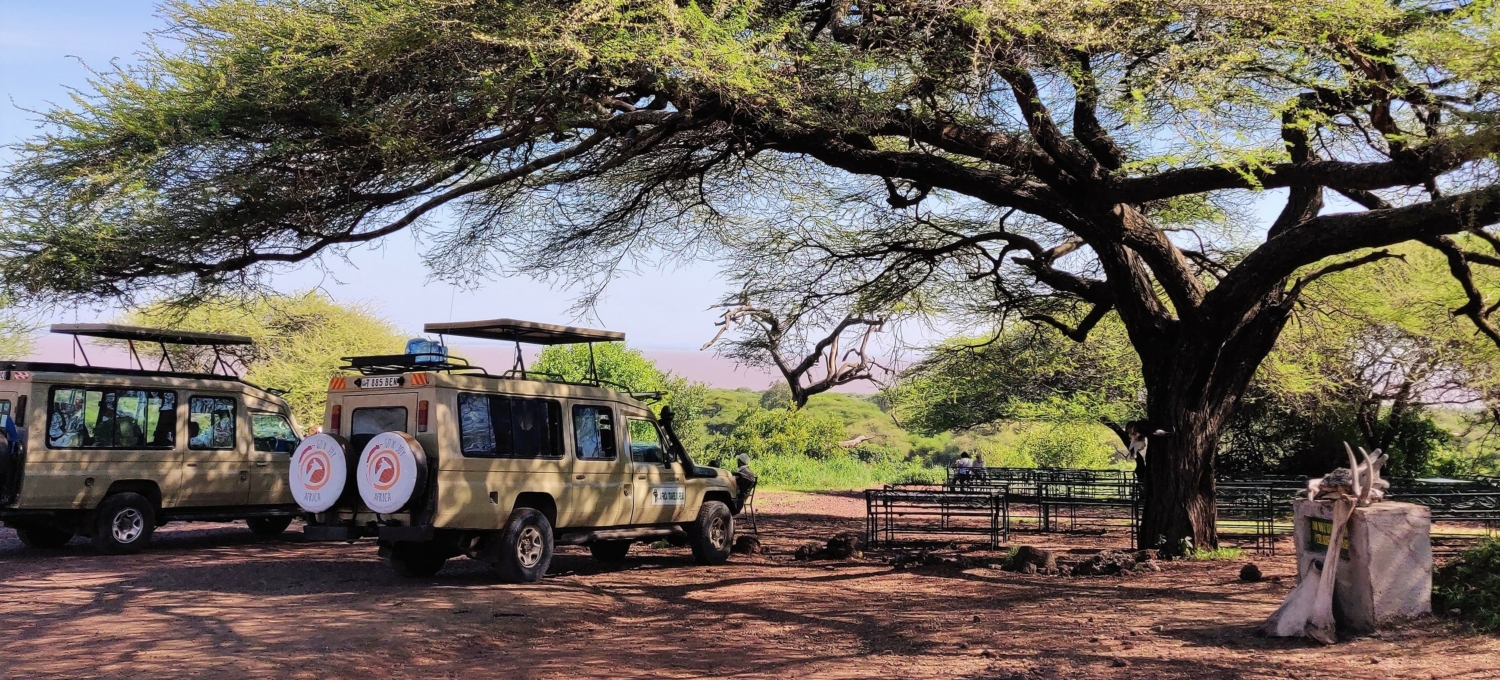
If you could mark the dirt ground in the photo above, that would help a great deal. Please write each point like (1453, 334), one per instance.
(212, 600)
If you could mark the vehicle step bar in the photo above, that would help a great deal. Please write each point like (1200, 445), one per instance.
(628, 534)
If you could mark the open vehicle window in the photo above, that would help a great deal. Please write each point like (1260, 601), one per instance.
(593, 433)
(111, 418)
(272, 433)
(645, 442)
(492, 426)
(210, 423)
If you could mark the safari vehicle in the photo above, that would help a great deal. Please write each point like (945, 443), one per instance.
(114, 453)
(443, 459)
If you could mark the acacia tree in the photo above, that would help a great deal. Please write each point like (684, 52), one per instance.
(1064, 159)
(765, 339)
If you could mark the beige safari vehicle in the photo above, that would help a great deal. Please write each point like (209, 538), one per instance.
(114, 453)
(437, 459)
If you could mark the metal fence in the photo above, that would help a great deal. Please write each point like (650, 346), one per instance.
(902, 513)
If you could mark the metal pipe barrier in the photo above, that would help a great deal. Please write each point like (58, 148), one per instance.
(910, 510)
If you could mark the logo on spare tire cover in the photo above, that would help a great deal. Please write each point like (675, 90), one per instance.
(391, 470)
(318, 472)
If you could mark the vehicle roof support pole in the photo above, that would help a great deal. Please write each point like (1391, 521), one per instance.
(520, 364)
(134, 355)
(77, 342)
(167, 357)
(593, 368)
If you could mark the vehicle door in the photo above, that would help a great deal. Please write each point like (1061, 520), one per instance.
(660, 490)
(598, 495)
(105, 433)
(216, 464)
(273, 442)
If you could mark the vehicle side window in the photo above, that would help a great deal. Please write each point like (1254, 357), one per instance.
(210, 423)
(645, 442)
(108, 418)
(365, 423)
(272, 433)
(492, 426)
(593, 433)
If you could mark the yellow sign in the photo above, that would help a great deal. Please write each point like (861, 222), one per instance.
(1318, 532)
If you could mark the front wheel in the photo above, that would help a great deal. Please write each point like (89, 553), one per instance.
(43, 537)
(712, 534)
(526, 547)
(124, 525)
(268, 526)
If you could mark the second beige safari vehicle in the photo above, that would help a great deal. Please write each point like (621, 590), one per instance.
(438, 459)
(113, 453)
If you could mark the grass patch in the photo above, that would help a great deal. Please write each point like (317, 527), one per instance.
(1215, 555)
(837, 473)
(1470, 583)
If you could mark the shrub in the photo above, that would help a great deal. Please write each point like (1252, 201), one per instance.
(1470, 583)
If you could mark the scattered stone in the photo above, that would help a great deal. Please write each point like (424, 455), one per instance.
(1250, 573)
(1146, 555)
(810, 550)
(1374, 659)
(1041, 560)
(1119, 663)
(746, 544)
(1065, 570)
(977, 618)
(987, 654)
(1106, 563)
(1093, 639)
(1028, 568)
(963, 645)
(1151, 565)
(845, 546)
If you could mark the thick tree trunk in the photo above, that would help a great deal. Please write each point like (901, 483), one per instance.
(1178, 488)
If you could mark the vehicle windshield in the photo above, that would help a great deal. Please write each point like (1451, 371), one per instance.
(365, 423)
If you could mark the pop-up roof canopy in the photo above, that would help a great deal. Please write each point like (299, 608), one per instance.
(160, 336)
(115, 331)
(529, 332)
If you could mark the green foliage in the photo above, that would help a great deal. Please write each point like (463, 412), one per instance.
(804, 473)
(1470, 583)
(778, 396)
(15, 332)
(623, 367)
(762, 433)
(299, 339)
(1069, 444)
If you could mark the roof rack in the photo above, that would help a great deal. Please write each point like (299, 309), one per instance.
(160, 336)
(401, 363)
(531, 333)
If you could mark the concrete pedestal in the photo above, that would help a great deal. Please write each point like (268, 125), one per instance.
(1385, 571)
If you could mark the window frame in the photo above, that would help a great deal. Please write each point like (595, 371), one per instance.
(661, 441)
(554, 411)
(614, 430)
(255, 446)
(102, 389)
(234, 415)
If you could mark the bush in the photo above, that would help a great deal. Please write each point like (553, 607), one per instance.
(1470, 583)
(803, 473)
(763, 433)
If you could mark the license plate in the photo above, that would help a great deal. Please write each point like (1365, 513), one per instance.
(380, 381)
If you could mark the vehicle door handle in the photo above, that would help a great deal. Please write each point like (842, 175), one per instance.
(640, 476)
(192, 465)
(577, 476)
(627, 491)
(261, 463)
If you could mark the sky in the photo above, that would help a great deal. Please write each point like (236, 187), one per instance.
(44, 47)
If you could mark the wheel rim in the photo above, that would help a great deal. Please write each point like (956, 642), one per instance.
(128, 525)
(529, 547)
(717, 532)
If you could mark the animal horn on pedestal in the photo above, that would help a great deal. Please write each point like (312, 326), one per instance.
(1353, 469)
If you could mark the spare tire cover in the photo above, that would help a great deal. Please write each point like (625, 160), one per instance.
(319, 472)
(391, 471)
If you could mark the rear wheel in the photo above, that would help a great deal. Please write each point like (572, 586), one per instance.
(124, 525)
(712, 534)
(526, 547)
(268, 526)
(415, 562)
(43, 537)
(609, 551)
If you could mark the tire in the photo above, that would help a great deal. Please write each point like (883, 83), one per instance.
(124, 525)
(609, 552)
(414, 562)
(43, 537)
(525, 547)
(712, 534)
(268, 526)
